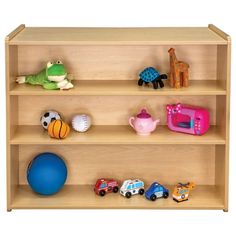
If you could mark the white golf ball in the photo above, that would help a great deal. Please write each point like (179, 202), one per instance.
(81, 123)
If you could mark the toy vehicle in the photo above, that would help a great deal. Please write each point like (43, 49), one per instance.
(104, 186)
(132, 187)
(181, 191)
(155, 191)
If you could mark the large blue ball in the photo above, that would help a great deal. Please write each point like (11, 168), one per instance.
(47, 173)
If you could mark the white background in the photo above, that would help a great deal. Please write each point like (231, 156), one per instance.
(116, 13)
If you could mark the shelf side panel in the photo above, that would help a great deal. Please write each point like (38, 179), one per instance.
(221, 173)
(223, 117)
(11, 53)
(12, 174)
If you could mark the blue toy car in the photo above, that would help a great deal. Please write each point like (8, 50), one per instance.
(155, 191)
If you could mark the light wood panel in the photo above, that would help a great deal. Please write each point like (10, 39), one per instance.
(11, 118)
(223, 119)
(203, 197)
(117, 36)
(167, 164)
(221, 73)
(105, 63)
(115, 135)
(221, 162)
(219, 32)
(150, 163)
(12, 174)
(13, 67)
(221, 114)
(123, 88)
(106, 110)
(14, 33)
(227, 126)
(118, 62)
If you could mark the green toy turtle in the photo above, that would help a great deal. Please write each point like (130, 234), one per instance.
(54, 76)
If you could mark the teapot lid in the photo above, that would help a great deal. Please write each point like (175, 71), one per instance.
(143, 114)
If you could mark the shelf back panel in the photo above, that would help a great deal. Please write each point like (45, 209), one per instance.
(106, 110)
(168, 164)
(118, 62)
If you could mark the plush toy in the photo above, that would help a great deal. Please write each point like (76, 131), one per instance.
(54, 76)
(151, 75)
(58, 129)
(81, 123)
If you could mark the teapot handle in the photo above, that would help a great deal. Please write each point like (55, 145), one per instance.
(131, 119)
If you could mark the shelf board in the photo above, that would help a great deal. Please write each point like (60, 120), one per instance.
(122, 87)
(82, 196)
(116, 36)
(114, 135)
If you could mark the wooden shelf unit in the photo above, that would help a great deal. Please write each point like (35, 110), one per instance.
(105, 63)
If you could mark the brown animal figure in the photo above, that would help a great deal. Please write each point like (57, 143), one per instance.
(179, 71)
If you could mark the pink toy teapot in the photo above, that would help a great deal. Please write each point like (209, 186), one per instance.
(143, 123)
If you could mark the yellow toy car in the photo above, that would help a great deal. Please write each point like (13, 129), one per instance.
(181, 191)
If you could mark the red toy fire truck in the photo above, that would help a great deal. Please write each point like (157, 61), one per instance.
(104, 186)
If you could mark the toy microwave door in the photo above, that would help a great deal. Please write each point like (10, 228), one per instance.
(180, 119)
(187, 119)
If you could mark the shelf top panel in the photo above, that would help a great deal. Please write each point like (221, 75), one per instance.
(116, 36)
(122, 88)
(121, 135)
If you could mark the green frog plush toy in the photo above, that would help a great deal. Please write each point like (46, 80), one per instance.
(54, 76)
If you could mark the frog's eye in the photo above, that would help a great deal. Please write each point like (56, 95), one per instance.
(59, 62)
(49, 64)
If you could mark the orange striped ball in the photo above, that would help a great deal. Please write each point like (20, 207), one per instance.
(58, 129)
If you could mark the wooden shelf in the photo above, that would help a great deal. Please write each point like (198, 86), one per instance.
(82, 196)
(116, 36)
(125, 87)
(114, 135)
(105, 64)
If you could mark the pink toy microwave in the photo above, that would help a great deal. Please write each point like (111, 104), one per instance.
(188, 119)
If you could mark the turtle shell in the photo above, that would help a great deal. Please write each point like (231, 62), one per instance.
(149, 74)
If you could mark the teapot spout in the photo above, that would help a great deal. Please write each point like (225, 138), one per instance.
(155, 123)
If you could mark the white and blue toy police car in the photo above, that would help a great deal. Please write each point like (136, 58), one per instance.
(132, 187)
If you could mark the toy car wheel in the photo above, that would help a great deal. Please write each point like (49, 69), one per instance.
(141, 191)
(128, 194)
(102, 193)
(165, 195)
(153, 197)
(115, 189)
